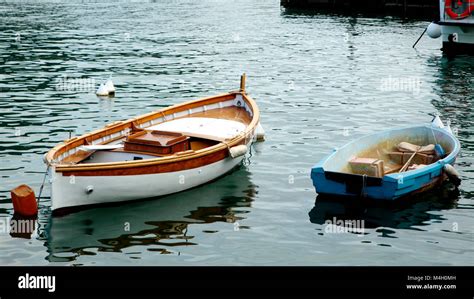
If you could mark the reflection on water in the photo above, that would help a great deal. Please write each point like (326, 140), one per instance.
(161, 224)
(409, 213)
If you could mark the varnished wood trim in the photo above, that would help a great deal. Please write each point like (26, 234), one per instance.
(155, 168)
(240, 139)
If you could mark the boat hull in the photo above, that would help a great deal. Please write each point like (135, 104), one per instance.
(391, 186)
(74, 191)
(374, 188)
(219, 129)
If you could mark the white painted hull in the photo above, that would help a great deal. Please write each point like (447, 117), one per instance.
(103, 166)
(72, 191)
(465, 34)
(462, 28)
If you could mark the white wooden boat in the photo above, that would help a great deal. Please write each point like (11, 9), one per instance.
(159, 153)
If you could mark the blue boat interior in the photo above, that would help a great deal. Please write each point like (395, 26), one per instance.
(380, 146)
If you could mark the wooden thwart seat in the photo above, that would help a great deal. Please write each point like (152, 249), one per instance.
(78, 157)
(202, 127)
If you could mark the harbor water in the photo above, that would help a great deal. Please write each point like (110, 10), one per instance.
(320, 81)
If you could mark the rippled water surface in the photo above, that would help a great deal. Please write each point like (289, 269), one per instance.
(319, 82)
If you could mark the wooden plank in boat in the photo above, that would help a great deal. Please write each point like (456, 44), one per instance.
(230, 113)
(77, 157)
(203, 127)
(101, 147)
(157, 142)
(156, 168)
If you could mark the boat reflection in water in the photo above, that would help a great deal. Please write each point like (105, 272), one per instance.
(398, 215)
(160, 223)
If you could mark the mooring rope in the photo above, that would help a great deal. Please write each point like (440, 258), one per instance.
(364, 185)
(42, 185)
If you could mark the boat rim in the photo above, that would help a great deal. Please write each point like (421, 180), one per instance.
(49, 157)
(395, 176)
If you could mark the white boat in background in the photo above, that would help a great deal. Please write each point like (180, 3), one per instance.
(155, 154)
(455, 26)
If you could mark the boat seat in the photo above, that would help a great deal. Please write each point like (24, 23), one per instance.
(78, 157)
(202, 127)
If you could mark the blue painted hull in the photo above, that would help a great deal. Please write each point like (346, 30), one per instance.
(328, 180)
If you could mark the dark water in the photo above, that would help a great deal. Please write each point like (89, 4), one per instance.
(320, 81)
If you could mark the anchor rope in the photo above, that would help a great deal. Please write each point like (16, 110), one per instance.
(364, 183)
(42, 185)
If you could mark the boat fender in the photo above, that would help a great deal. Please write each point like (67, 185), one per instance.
(237, 151)
(89, 189)
(24, 201)
(260, 133)
(434, 30)
(453, 174)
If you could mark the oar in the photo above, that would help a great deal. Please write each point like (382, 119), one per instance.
(408, 162)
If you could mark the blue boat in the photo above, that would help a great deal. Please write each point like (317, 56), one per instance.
(335, 174)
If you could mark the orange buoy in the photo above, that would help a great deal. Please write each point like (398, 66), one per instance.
(24, 201)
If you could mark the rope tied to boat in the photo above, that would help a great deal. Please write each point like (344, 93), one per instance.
(42, 185)
(364, 185)
(163, 115)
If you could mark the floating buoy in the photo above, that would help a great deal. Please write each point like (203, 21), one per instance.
(24, 201)
(434, 30)
(102, 90)
(260, 133)
(109, 85)
(238, 150)
(106, 89)
(453, 175)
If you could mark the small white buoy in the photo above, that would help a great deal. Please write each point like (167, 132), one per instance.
(110, 86)
(102, 90)
(434, 30)
(106, 89)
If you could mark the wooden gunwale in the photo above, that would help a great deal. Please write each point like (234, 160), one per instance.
(119, 126)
